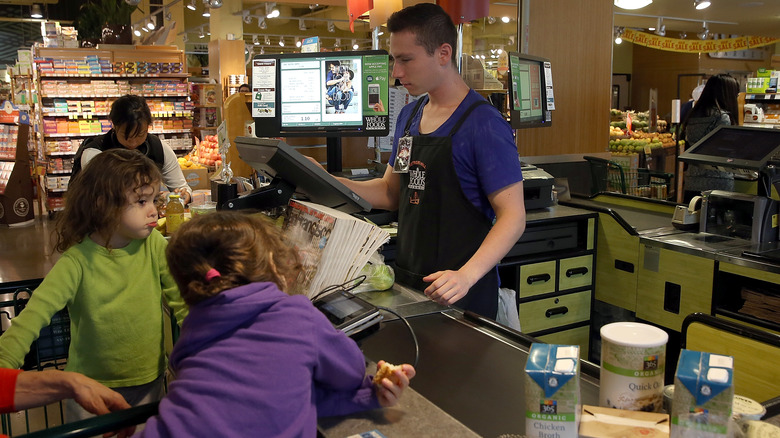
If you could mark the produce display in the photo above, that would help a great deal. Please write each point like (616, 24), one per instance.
(638, 141)
(205, 153)
(640, 121)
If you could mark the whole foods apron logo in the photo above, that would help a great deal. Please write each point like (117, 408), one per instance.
(417, 179)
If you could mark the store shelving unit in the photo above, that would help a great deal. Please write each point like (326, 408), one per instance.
(768, 102)
(206, 108)
(16, 184)
(76, 89)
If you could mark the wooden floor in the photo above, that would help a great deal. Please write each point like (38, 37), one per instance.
(26, 252)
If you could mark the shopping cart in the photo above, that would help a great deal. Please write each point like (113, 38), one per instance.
(610, 176)
(50, 351)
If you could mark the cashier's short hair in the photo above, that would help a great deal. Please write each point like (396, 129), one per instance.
(243, 248)
(429, 23)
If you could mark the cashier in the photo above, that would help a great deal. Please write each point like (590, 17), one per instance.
(459, 195)
(130, 119)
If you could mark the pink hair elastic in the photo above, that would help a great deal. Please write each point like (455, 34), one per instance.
(212, 274)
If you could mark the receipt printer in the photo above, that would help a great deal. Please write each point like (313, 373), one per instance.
(686, 217)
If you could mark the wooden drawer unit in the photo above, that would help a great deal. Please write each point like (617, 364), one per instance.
(536, 279)
(576, 336)
(575, 272)
(548, 313)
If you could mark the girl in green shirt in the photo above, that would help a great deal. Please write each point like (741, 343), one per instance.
(113, 278)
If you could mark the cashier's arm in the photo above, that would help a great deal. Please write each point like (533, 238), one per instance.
(447, 287)
(381, 193)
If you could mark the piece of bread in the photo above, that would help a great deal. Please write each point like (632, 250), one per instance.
(386, 371)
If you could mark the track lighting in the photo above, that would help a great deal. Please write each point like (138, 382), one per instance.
(618, 35)
(267, 40)
(701, 4)
(683, 35)
(491, 20)
(192, 6)
(301, 24)
(150, 23)
(337, 43)
(215, 4)
(281, 41)
(247, 18)
(145, 29)
(206, 13)
(505, 19)
(355, 45)
(136, 31)
(184, 38)
(705, 32)
(35, 11)
(271, 11)
(297, 42)
(261, 22)
(201, 34)
(632, 4)
(256, 40)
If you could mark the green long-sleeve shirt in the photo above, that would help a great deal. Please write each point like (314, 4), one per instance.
(114, 299)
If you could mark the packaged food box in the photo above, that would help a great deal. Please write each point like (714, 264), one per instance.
(552, 391)
(703, 395)
(598, 422)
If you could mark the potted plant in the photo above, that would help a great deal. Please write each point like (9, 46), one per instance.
(107, 21)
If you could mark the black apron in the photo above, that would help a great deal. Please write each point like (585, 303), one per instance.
(439, 228)
(152, 148)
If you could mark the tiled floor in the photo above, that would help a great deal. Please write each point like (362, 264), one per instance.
(27, 252)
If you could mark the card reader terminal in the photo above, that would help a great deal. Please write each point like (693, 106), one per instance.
(347, 312)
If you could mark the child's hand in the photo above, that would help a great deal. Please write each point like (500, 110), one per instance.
(390, 388)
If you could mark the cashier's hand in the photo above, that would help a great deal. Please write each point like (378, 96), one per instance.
(185, 195)
(389, 392)
(447, 287)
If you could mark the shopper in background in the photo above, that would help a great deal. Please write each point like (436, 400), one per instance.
(717, 106)
(255, 358)
(460, 200)
(244, 88)
(130, 119)
(28, 389)
(687, 106)
(112, 277)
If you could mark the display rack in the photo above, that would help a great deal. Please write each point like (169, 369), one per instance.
(78, 86)
(206, 108)
(16, 184)
(769, 103)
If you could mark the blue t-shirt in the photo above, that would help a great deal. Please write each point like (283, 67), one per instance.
(483, 149)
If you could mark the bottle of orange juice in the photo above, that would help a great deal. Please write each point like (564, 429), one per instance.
(174, 214)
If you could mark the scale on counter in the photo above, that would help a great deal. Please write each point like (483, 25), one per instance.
(348, 313)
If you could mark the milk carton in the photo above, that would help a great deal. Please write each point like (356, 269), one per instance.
(703, 395)
(552, 391)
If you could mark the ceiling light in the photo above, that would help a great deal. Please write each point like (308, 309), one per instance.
(632, 4)
(150, 23)
(331, 27)
(267, 40)
(35, 11)
(660, 29)
(355, 45)
(136, 31)
(168, 15)
(206, 13)
(701, 4)
(380, 33)
(705, 32)
(618, 35)
(301, 24)
(281, 41)
(261, 22)
(145, 29)
(247, 17)
(192, 6)
(337, 43)
(256, 40)
(271, 11)
(262, 50)
(491, 20)
(216, 4)
(184, 38)
(297, 42)
(201, 34)
(683, 35)
(505, 19)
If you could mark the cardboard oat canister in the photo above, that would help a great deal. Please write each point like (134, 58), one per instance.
(633, 358)
(703, 395)
(552, 391)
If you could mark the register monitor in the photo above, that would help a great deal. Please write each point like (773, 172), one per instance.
(530, 91)
(738, 149)
(291, 173)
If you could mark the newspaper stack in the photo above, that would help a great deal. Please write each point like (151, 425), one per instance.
(333, 245)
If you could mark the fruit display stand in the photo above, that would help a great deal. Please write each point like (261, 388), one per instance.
(16, 184)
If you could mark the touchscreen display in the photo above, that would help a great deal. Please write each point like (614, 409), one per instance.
(753, 145)
(341, 307)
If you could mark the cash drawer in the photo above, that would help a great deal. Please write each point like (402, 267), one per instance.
(536, 279)
(554, 312)
(575, 272)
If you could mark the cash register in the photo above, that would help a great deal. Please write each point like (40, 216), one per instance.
(742, 151)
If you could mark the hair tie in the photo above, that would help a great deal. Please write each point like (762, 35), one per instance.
(212, 274)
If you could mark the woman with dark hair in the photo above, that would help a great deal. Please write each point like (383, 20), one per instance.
(130, 121)
(716, 106)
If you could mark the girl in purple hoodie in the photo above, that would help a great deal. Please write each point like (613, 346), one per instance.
(254, 358)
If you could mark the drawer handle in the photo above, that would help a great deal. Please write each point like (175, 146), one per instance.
(556, 311)
(582, 270)
(539, 278)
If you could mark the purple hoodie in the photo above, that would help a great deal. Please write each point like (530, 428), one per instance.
(254, 361)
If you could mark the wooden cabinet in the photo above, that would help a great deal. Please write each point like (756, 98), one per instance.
(672, 285)
(552, 270)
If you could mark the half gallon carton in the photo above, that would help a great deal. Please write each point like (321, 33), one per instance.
(703, 395)
(552, 391)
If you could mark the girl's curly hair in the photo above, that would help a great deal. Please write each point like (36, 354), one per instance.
(243, 248)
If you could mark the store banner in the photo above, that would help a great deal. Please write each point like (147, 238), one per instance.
(356, 8)
(463, 11)
(696, 46)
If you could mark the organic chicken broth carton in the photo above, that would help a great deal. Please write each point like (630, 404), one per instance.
(633, 358)
(703, 395)
(552, 391)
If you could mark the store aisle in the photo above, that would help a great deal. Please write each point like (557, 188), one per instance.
(27, 252)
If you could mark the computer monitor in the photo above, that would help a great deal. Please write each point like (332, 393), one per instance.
(323, 94)
(530, 91)
(736, 148)
(291, 173)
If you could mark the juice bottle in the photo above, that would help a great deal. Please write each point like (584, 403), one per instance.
(174, 214)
